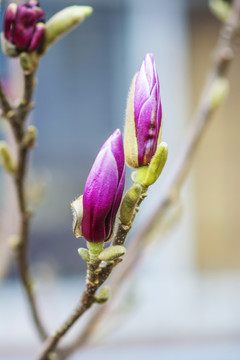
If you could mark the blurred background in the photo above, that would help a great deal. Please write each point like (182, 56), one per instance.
(184, 303)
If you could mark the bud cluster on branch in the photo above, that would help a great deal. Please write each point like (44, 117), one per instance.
(27, 36)
(103, 215)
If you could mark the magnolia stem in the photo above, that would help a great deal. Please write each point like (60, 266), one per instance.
(16, 118)
(94, 280)
(6, 107)
(222, 59)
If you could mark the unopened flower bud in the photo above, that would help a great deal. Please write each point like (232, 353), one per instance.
(24, 26)
(143, 116)
(103, 191)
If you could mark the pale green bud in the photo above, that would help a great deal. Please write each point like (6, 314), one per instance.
(218, 92)
(129, 203)
(63, 22)
(14, 242)
(112, 253)
(6, 158)
(103, 295)
(95, 249)
(157, 164)
(77, 210)
(29, 62)
(221, 9)
(29, 139)
(148, 175)
(84, 254)
(139, 176)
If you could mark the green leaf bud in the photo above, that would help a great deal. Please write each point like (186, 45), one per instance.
(14, 242)
(63, 22)
(84, 253)
(112, 253)
(157, 164)
(148, 175)
(139, 176)
(103, 295)
(129, 204)
(95, 249)
(29, 139)
(6, 158)
(218, 92)
(221, 9)
(29, 62)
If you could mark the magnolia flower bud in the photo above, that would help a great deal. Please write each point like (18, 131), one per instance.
(103, 190)
(143, 115)
(24, 26)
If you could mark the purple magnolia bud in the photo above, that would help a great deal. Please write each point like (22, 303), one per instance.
(103, 190)
(24, 25)
(144, 115)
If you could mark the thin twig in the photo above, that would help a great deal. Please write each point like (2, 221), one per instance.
(223, 56)
(96, 276)
(6, 106)
(20, 182)
(16, 117)
(94, 281)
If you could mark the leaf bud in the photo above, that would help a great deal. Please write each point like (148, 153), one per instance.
(84, 254)
(29, 139)
(112, 253)
(6, 158)
(148, 175)
(103, 295)
(129, 203)
(218, 92)
(63, 22)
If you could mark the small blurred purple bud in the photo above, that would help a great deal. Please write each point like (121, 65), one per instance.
(144, 115)
(103, 190)
(24, 25)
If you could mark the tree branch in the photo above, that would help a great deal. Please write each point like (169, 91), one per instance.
(16, 117)
(222, 58)
(6, 106)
